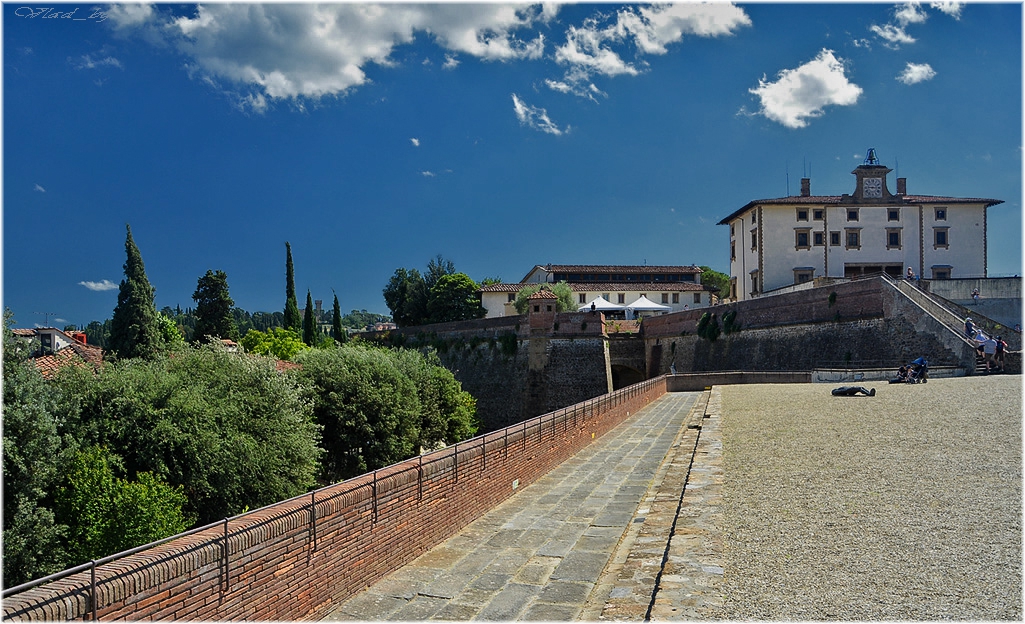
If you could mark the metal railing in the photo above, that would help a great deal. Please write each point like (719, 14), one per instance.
(552, 422)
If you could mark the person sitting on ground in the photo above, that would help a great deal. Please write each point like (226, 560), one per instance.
(853, 391)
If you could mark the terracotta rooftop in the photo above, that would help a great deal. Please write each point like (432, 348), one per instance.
(543, 293)
(896, 200)
(607, 287)
(76, 354)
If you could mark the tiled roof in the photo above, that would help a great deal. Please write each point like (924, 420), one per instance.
(76, 354)
(24, 333)
(610, 268)
(543, 293)
(607, 287)
(896, 200)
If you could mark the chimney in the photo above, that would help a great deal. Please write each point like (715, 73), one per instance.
(902, 186)
(805, 187)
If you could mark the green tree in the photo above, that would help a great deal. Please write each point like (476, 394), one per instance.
(134, 330)
(107, 514)
(366, 407)
(454, 297)
(719, 281)
(437, 268)
(170, 331)
(293, 320)
(358, 319)
(562, 290)
(406, 296)
(214, 305)
(309, 323)
(229, 429)
(337, 331)
(33, 540)
(277, 342)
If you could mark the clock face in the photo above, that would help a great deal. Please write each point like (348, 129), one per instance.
(873, 187)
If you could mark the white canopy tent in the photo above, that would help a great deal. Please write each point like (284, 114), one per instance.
(601, 305)
(643, 304)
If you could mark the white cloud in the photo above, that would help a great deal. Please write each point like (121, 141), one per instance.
(910, 13)
(892, 34)
(953, 9)
(274, 52)
(125, 16)
(596, 49)
(916, 72)
(415, 141)
(427, 174)
(802, 93)
(88, 62)
(99, 286)
(39, 189)
(535, 117)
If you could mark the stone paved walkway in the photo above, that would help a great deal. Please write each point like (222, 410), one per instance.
(561, 548)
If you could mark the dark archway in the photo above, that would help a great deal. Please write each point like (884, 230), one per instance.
(623, 376)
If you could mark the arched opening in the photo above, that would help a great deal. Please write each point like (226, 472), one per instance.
(623, 376)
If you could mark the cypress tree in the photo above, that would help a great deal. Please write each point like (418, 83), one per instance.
(293, 320)
(134, 331)
(213, 308)
(336, 323)
(309, 324)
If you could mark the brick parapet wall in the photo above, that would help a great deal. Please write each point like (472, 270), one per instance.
(287, 562)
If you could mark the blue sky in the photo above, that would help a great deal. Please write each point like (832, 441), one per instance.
(373, 137)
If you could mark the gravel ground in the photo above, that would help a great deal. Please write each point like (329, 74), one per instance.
(906, 505)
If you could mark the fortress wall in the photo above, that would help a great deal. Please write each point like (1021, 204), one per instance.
(295, 559)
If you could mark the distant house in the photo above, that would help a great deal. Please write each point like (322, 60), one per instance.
(56, 349)
(779, 242)
(678, 287)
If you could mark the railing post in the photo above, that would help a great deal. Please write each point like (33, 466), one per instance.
(313, 517)
(374, 485)
(455, 459)
(224, 555)
(92, 586)
(420, 480)
(484, 452)
(506, 442)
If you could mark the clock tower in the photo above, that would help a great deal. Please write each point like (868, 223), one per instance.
(871, 180)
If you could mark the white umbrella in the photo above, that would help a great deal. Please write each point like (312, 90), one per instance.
(643, 303)
(601, 305)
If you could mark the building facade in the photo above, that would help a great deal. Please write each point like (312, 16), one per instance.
(678, 287)
(776, 243)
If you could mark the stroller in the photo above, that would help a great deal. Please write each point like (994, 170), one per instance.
(915, 372)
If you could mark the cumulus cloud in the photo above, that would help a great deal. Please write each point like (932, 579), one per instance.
(274, 52)
(892, 34)
(916, 72)
(803, 93)
(99, 286)
(535, 117)
(597, 46)
(953, 9)
(910, 13)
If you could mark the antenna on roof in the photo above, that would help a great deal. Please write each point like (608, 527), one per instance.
(788, 178)
(46, 317)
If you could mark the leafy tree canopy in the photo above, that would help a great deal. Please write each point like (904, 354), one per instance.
(214, 318)
(134, 330)
(562, 290)
(454, 297)
(278, 342)
(721, 281)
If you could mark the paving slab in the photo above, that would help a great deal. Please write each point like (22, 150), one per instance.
(540, 554)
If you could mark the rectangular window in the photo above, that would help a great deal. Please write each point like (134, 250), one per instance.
(754, 282)
(512, 297)
(852, 214)
(582, 298)
(893, 238)
(834, 239)
(893, 214)
(940, 238)
(803, 275)
(819, 239)
(676, 297)
(754, 240)
(607, 297)
(802, 214)
(665, 297)
(802, 238)
(697, 297)
(853, 238)
(941, 272)
(621, 298)
(941, 214)
(818, 214)
(733, 250)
